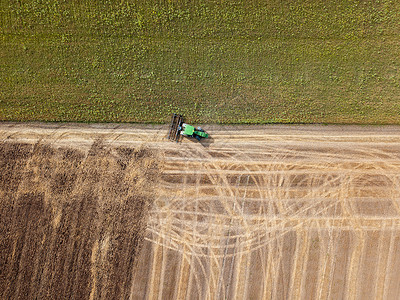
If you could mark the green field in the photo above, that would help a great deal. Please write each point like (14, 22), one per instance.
(221, 61)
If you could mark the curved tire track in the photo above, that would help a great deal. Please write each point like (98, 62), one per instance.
(267, 199)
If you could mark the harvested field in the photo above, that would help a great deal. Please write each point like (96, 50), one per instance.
(72, 223)
(310, 212)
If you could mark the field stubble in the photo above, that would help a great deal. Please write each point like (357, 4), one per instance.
(304, 212)
(255, 215)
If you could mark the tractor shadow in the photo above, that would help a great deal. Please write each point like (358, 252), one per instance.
(204, 142)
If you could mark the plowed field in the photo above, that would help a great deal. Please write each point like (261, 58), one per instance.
(279, 212)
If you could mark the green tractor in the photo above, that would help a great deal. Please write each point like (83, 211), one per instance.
(178, 128)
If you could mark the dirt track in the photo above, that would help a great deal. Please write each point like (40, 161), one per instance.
(263, 212)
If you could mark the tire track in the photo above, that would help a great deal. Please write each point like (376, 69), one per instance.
(251, 199)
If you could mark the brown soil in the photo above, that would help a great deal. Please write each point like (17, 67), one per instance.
(71, 222)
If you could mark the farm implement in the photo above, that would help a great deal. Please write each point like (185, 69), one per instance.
(178, 128)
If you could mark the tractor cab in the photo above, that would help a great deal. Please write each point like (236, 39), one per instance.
(188, 130)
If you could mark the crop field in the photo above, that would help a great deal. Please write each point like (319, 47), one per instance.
(255, 212)
(302, 61)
